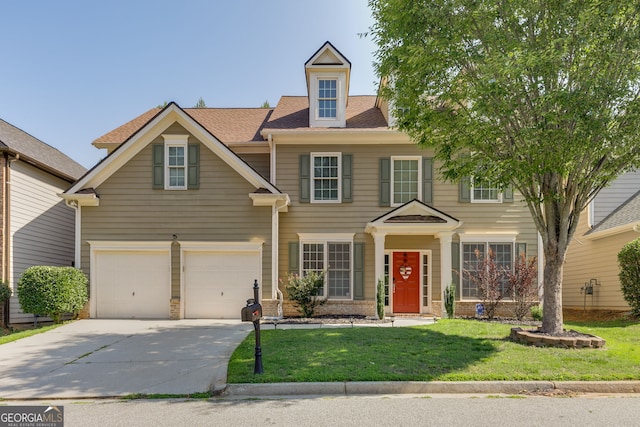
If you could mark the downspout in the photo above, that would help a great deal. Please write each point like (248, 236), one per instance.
(73, 204)
(276, 294)
(5, 237)
(272, 160)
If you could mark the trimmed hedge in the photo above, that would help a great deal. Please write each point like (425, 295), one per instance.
(52, 291)
(629, 261)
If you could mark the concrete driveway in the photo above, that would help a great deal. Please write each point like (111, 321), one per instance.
(103, 358)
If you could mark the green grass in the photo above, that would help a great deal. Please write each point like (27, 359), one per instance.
(449, 350)
(9, 336)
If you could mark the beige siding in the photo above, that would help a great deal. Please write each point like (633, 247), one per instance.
(259, 162)
(594, 259)
(219, 211)
(353, 217)
(41, 226)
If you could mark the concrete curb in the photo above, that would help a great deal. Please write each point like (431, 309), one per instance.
(427, 387)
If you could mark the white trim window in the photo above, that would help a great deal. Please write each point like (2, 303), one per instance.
(175, 161)
(406, 179)
(327, 98)
(484, 192)
(473, 252)
(334, 256)
(326, 185)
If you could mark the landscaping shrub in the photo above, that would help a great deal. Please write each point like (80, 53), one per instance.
(303, 290)
(52, 291)
(536, 313)
(5, 292)
(380, 299)
(629, 261)
(450, 300)
(488, 278)
(523, 286)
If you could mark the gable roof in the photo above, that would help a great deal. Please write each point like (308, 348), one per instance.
(414, 217)
(37, 152)
(142, 136)
(623, 218)
(228, 125)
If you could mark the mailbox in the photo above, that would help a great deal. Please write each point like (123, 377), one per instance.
(252, 312)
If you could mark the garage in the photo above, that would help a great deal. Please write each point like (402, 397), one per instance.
(131, 283)
(218, 278)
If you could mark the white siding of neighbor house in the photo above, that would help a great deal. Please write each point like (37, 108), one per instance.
(609, 198)
(41, 226)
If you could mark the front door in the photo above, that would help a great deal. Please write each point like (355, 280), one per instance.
(406, 282)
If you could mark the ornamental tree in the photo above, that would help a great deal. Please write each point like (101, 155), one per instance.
(543, 94)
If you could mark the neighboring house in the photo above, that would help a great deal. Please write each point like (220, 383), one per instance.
(612, 220)
(37, 228)
(192, 205)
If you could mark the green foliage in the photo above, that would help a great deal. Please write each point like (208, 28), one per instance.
(200, 103)
(450, 300)
(52, 291)
(5, 292)
(629, 261)
(523, 286)
(380, 299)
(545, 94)
(265, 104)
(536, 313)
(304, 290)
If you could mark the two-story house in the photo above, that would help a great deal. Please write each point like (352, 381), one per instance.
(192, 205)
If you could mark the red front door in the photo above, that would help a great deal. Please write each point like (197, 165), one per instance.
(406, 282)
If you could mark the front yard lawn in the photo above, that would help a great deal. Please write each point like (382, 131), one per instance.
(449, 350)
(7, 335)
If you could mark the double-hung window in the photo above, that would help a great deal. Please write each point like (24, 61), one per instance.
(325, 182)
(473, 254)
(406, 179)
(327, 98)
(176, 161)
(484, 191)
(332, 256)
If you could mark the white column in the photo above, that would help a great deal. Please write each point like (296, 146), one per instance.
(446, 277)
(378, 239)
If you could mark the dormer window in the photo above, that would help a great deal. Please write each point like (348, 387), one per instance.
(327, 98)
(328, 74)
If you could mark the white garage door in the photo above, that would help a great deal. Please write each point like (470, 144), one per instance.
(132, 284)
(217, 284)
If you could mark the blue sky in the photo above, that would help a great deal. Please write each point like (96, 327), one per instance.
(70, 71)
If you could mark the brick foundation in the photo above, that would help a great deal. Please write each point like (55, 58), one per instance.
(84, 313)
(174, 310)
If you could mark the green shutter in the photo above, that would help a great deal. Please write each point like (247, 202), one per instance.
(427, 180)
(347, 178)
(305, 178)
(465, 190)
(294, 257)
(455, 267)
(158, 165)
(507, 194)
(358, 271)
(521, 248)
(385, 181)
(193, 172)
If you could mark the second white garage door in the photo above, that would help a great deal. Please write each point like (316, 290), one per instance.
(217, 284)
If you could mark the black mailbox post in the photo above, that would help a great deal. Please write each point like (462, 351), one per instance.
(253, 313)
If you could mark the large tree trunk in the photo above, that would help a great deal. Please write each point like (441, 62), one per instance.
(552, 320)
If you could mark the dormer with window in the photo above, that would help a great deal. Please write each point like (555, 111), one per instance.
(328, 87)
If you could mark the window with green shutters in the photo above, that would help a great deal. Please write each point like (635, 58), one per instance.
(175, 164)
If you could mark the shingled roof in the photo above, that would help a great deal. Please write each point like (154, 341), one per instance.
(292, 112)
(627, 213)
(234, 125)
(17, 141)
(229, 125)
